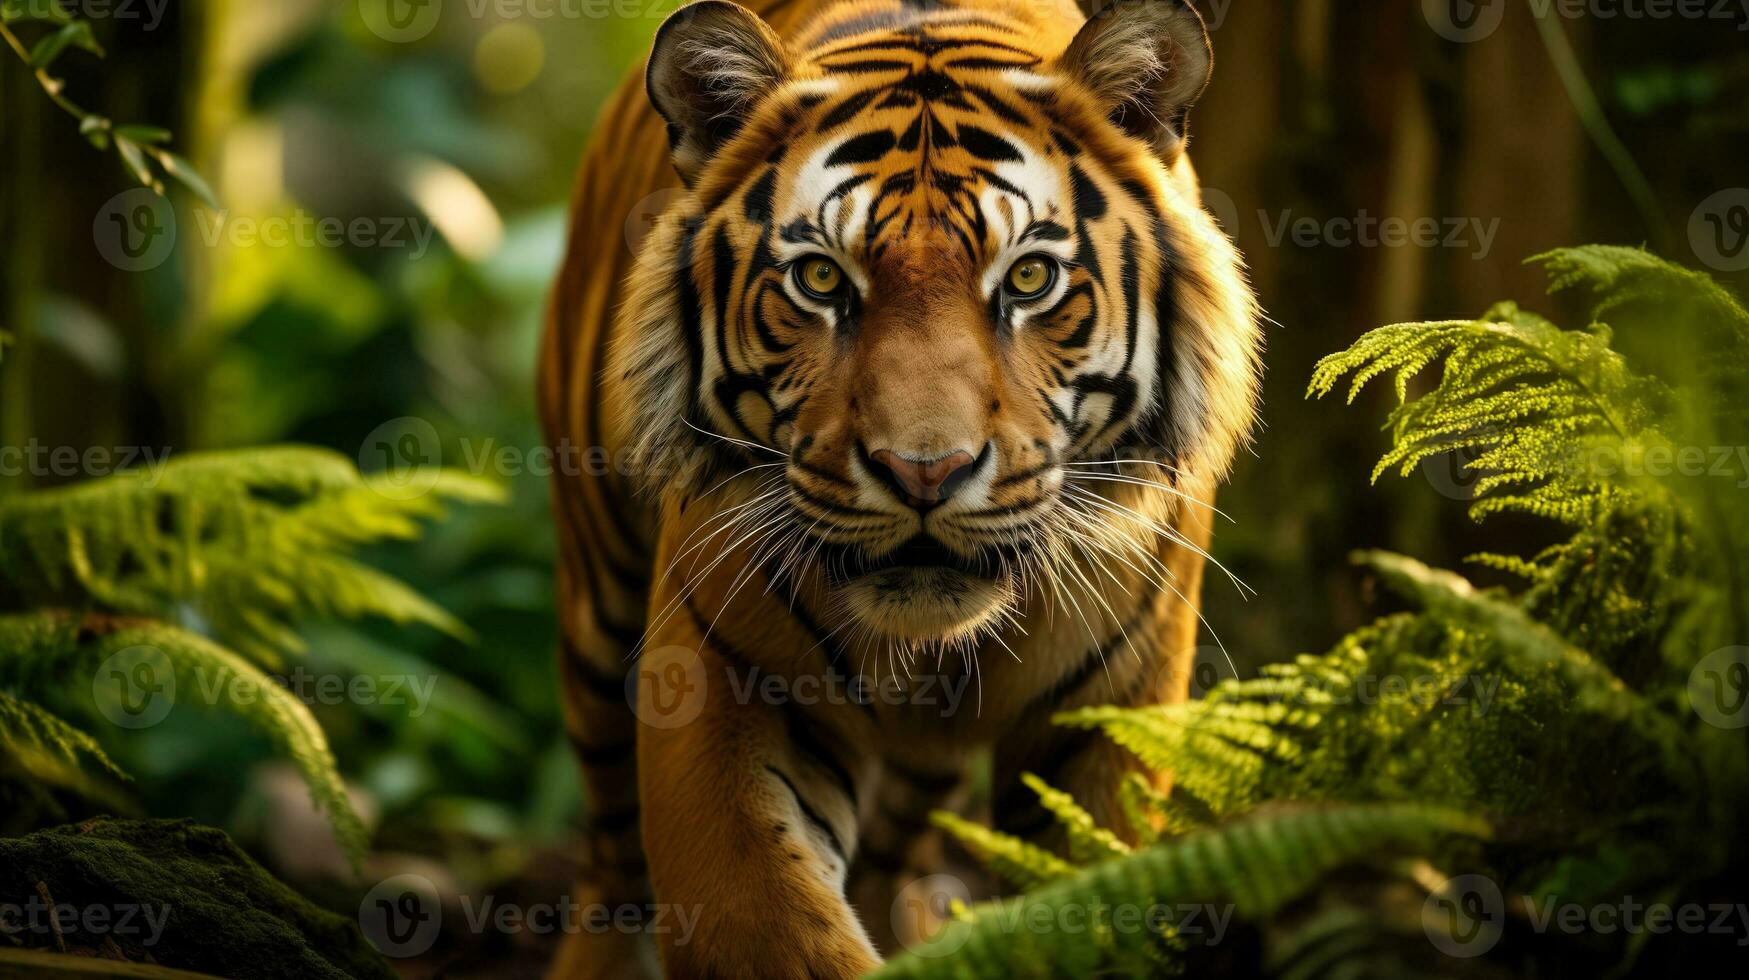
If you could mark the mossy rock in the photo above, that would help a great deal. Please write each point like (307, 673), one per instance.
(197, 903)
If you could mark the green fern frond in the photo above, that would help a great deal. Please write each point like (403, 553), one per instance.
(1524, 568)
(1525, 640)
(1021, 864)
(1617, 276)
(29, 731)
(1088, 842)
(250, 542)
(1255, 866)
(1217, 751)
(1535, 406)
(38, 650)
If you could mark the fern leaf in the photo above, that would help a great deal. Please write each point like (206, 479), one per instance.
(27, 728)
(1022, 864)
(252, 542)
(1257, 866)
(1088, 842)
(38, 648)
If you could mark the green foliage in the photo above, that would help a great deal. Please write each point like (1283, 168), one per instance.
(1565, 712)
(208, 566)
(249, 542)
(138, 146)
(1255, 865)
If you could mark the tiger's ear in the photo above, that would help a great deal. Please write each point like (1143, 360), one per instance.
(1147, 61)
(712, 63)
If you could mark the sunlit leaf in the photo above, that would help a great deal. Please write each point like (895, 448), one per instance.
(135, 158)
(189, 177)
(144, 134)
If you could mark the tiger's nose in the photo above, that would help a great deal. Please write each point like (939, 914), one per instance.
(923, 483)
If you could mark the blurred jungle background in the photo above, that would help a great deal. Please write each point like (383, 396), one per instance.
(391, 207)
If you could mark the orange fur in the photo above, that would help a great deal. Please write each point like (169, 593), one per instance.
(743, 524)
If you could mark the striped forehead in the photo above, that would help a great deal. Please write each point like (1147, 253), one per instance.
(925, 138)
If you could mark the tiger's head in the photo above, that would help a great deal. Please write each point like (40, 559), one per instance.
(932, 258)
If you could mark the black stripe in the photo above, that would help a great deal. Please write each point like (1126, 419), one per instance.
(933, 45)
(609, 754)
(725, 650)
(830, 507)
(691, 321)
(627, 635)
(817, 472)
(615, 821)
(996, 105)
(757, 204)
(866, 148)
(1165, 320)
(866, 66)
(1089, 199)
(1022, 476)
(984, 63)
(1130, 277)
(604, 684)
(1046, 701)
(881, 861)
(1004, 511)
(986, 145)
(722, 278)
(805, 735)
(812, 815)
(845, 110)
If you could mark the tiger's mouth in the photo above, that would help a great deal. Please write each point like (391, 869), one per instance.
(924, 591)
(847, 563)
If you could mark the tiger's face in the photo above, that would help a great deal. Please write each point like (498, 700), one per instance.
(929, 265)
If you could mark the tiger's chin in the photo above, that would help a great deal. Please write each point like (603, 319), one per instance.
(928, 605)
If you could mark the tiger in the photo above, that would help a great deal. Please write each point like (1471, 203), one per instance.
(909, 408)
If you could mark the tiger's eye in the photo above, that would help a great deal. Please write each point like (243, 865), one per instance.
(1029, 277)
(821, 277)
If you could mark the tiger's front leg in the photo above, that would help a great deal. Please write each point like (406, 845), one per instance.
(749, 814)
